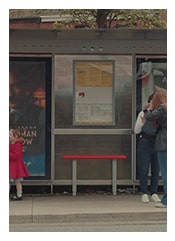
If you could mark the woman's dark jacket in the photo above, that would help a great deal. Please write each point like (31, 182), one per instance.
(159, 114)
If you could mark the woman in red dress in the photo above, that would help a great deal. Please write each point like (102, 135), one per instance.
(17, 168)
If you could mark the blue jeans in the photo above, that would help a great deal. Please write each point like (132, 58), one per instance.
(146, 156)
(162, 158)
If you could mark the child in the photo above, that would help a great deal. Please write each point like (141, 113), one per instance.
(17, 168)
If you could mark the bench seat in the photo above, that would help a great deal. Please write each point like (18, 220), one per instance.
(113, 158)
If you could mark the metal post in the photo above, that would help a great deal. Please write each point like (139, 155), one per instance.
(114, 176)
(74, 177)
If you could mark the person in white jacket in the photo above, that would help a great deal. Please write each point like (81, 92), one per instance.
(146, 156)
(139, 123)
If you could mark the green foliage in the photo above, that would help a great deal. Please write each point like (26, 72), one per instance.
(112, 18)
(101, 18)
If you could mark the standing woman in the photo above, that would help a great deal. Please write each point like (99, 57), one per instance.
(147, 156)
(158, 111)
(17, 168)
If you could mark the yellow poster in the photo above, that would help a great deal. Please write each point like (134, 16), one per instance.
(93, 73)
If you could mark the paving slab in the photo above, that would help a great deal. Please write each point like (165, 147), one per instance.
(67, 208)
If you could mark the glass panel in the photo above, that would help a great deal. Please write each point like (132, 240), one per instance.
(92, 144)
(27, 105)
(64, 90)
(151, 74)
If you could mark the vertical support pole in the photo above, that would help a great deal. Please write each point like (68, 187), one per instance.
(114, 176)
(74, 177)
(51, 187)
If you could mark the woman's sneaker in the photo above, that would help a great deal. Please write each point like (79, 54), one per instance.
(155, 198)
(160, 205)
(145, 198)
(16, 198)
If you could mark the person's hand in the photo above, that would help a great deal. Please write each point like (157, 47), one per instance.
(143, 119)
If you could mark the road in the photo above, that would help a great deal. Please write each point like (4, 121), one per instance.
(90, 227)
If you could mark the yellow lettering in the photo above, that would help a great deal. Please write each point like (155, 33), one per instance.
(33, 133)
(28, 141)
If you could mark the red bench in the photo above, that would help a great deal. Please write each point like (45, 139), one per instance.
(113, 158)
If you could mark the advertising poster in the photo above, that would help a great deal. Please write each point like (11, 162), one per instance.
(93, 95)
(153, 75)
(27, 104)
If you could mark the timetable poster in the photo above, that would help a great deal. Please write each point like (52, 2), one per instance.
(93, 92)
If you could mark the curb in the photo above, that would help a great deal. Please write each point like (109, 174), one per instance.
(158, 217)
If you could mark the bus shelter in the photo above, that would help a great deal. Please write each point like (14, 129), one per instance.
(81, 91)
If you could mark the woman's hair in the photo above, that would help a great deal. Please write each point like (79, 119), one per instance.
(159, 98)
(150, 97)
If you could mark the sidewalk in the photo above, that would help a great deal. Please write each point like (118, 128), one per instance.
(84, 207)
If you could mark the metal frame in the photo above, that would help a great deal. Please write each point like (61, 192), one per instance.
(113, 92)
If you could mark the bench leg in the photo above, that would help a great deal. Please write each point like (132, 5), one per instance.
(74, 177)
(114, 177)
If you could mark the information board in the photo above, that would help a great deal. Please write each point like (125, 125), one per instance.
(93, 92)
